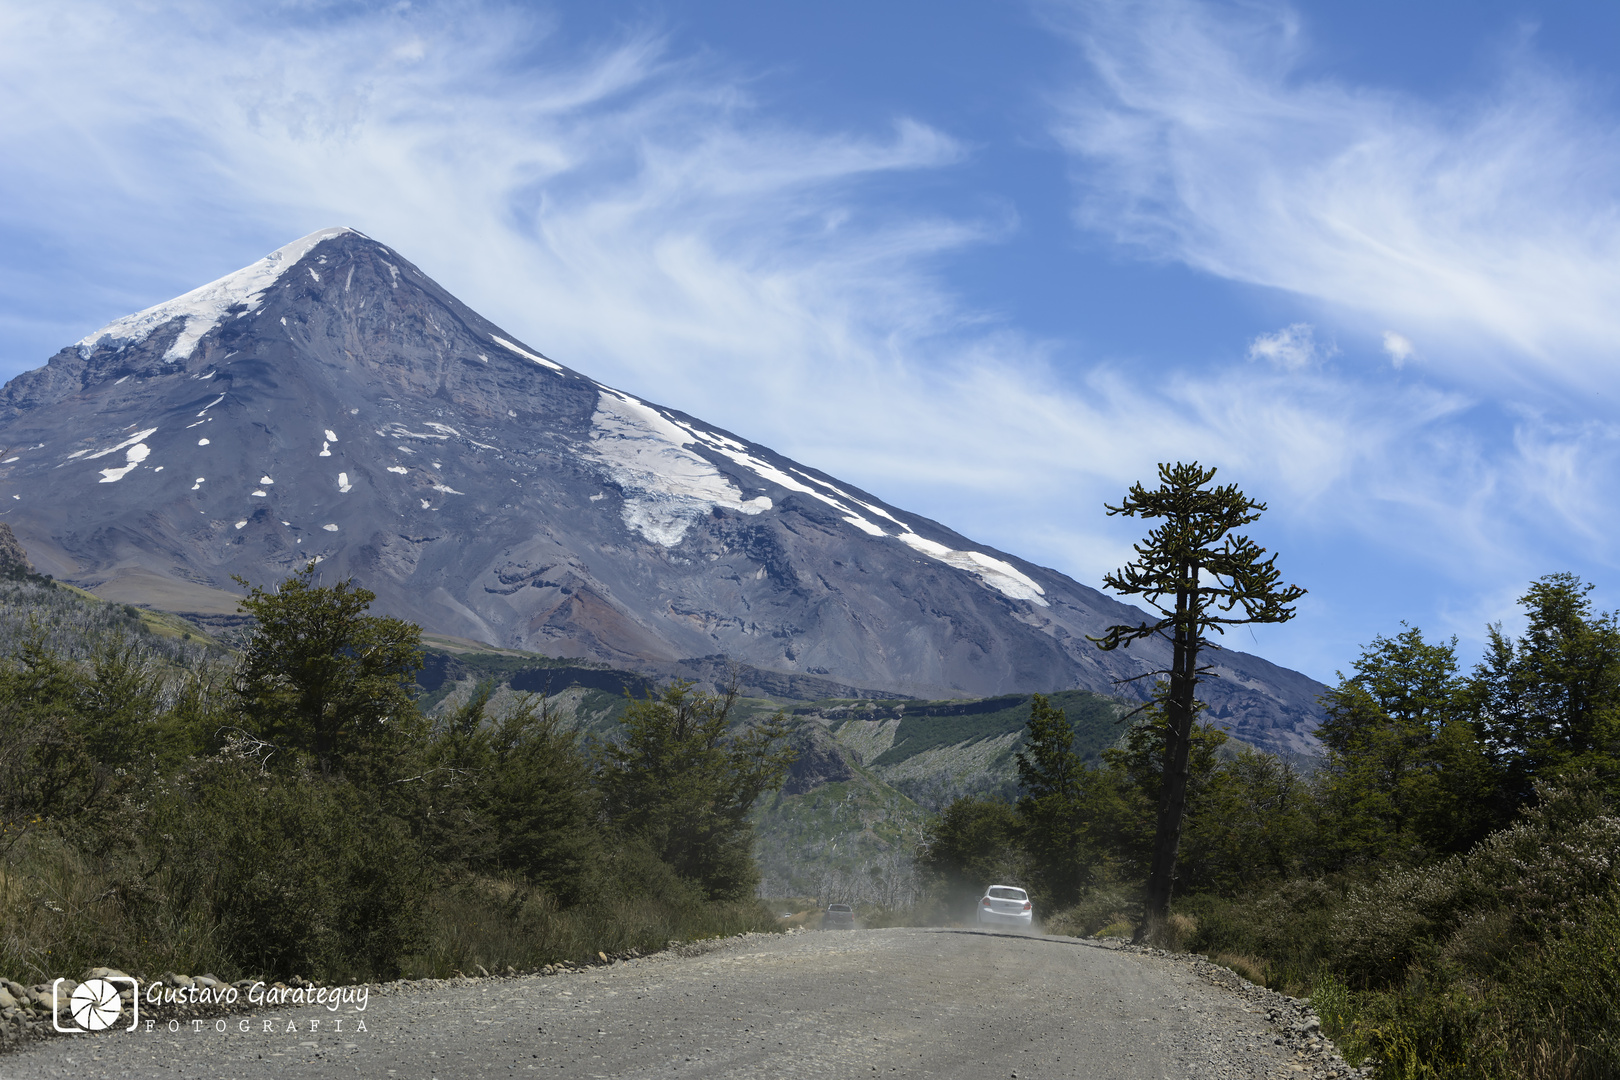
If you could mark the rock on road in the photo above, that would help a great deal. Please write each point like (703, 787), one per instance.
(904, 1002)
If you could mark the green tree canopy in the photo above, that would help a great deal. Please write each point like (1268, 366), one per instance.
(1403, 680)
(1550, 702)
(319, 674)
(971, 844)
(507, 791)
(46, 769)
(1055, 805)
(681, 780)
(1406, 775)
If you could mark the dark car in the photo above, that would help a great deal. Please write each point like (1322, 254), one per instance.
(838, 917)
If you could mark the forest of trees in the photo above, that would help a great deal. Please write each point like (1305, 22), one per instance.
(1443, 884)
(289, 810)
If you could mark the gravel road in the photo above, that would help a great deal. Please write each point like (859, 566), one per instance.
(906, 1002)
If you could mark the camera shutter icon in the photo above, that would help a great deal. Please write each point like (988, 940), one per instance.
(94, 1004)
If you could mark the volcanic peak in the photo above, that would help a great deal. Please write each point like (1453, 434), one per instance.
(206, 307)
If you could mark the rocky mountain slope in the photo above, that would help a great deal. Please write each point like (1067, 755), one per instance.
(331, 402)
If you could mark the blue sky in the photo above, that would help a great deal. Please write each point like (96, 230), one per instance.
(990, 261)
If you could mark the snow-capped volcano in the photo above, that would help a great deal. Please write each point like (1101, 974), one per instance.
(202, 309)
(332, 402)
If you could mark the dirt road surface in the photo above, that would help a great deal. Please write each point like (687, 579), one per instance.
(892, 1003)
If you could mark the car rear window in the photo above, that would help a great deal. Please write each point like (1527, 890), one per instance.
(839, 907)
(1001, 893)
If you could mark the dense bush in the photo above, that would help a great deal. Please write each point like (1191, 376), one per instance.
(1504, 962)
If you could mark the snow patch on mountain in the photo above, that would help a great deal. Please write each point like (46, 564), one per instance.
(738, 453)
(658, 512)
(536, 357)
(666, 487)
(138, 437)
(400, 431)
(132, 457)
(1002, 576)
(205, 308)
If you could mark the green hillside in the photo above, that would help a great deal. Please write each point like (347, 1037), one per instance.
(870, 774)
(928, 725)
(76, 625)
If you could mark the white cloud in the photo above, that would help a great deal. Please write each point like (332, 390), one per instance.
(1292, 348)
(1398, 347)
(1491, 221)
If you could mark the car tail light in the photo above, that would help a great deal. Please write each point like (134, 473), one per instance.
(985, 901)
(1026, 905)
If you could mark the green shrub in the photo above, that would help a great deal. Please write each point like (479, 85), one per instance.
(1286, 924)
(1098, 909)
(500, 924)
(1564, 1005)
(299, 875)
(1385, 926)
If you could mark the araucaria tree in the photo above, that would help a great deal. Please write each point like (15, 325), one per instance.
(1199, 576)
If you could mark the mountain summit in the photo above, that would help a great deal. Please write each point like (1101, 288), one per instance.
(332, 402)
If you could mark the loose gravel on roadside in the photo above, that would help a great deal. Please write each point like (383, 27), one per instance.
(904, 1002)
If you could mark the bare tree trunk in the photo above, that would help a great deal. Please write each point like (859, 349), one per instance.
(1180, 707)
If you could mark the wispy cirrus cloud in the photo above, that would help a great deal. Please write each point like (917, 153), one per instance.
(626, 207)
(1203, 135)
(1398, 347)
(640, 214)
(1486, 225)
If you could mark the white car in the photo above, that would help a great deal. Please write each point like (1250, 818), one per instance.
(1006, 905)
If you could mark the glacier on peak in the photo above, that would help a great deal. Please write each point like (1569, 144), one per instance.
(666, 487)
(206, 307)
